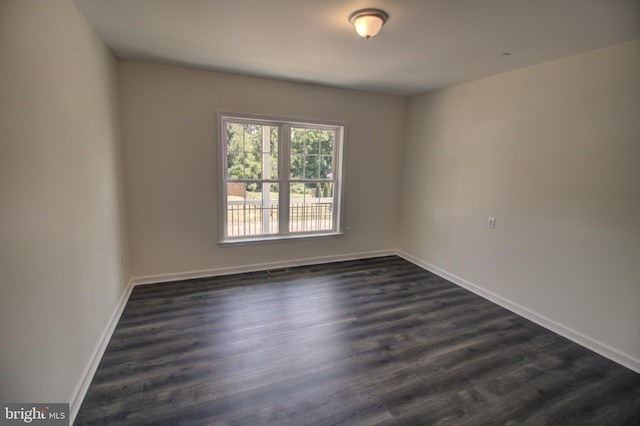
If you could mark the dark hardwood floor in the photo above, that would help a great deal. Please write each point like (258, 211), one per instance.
(370, 342)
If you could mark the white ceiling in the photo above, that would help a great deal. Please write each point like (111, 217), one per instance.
(425, 45)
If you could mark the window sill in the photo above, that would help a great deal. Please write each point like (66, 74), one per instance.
(279, 239)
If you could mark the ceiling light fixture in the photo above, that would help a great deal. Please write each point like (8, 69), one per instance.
(368, 22)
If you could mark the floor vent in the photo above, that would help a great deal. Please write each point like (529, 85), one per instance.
(278, 271)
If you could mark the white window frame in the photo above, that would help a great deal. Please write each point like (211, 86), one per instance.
(284, 180)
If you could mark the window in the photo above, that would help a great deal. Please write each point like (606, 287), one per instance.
(280, 179)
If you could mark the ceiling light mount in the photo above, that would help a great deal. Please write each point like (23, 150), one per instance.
(368, 22)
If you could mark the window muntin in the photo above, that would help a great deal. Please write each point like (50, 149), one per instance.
(270, 164)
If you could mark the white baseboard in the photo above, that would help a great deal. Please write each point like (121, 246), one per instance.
(87, 375)
(575, 336)
(152, 279)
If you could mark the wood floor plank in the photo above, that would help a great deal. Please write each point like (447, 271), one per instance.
(367, 342)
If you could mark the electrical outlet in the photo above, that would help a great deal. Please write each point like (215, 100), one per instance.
(492, 222)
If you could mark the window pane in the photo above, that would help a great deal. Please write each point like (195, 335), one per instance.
(253, 144)
(235, 137)
(250, 151)
(235, 165)
(252, 209)
(311, 207)
(311, 167)
(269, 152)
(297, 190)
(235, 191)
(312, 145)
(326, 145)
(273, 166)
(297, 140)
(326, 167)
(252, 137)
(273, 139)
(253, 165)
(297, 166)
(235, 151)
(326, 191)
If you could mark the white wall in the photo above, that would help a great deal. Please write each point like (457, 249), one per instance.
(553, 152)
(61, 227)
(171, 165)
